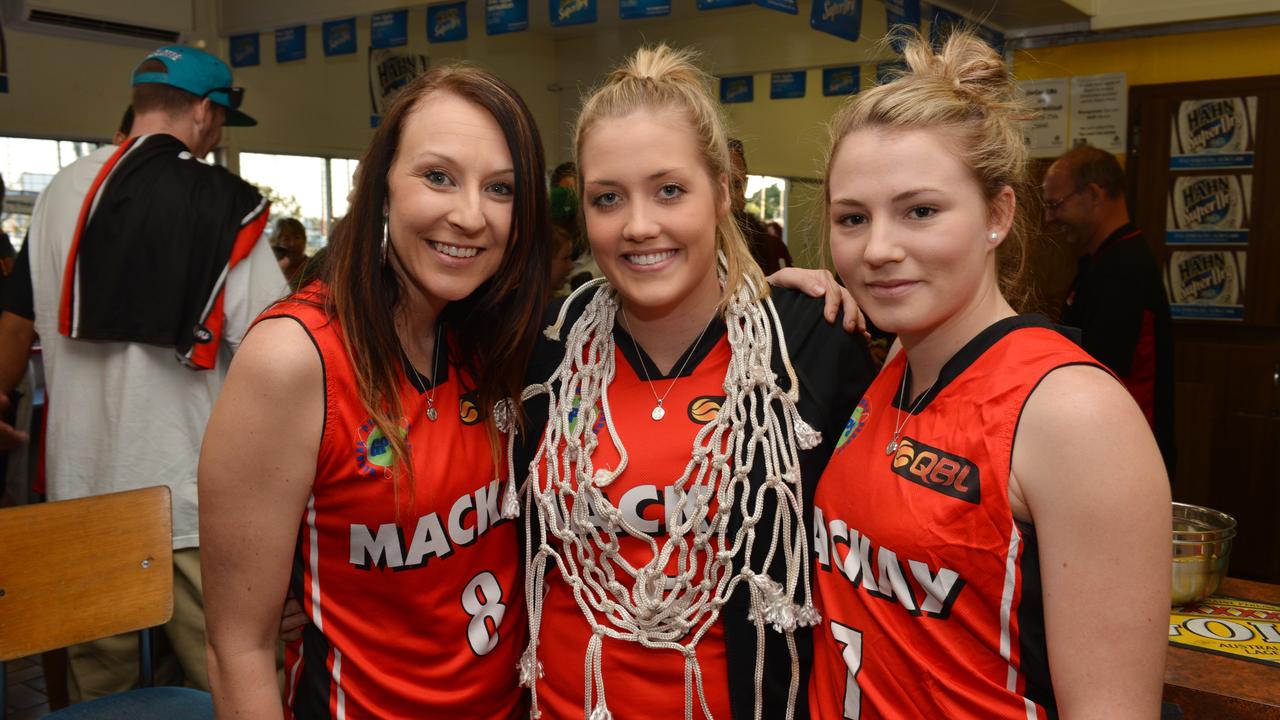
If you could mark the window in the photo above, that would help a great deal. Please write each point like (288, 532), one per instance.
(312, 189)
(767, 200)
(28, 165)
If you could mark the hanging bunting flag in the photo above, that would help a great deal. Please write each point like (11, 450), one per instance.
(339, 37)
(942, 22)
(505, 16)
(447, 23)
(994, 38)
(787, 85)
(632, 9)
(901, 12)
(4, 65)
(245, 50)
(571, 12)
(841, 80)
(737, 89)
(717, 4)
(389, 71)
(389, 29)
(786, 6)
(291, 44)
(887, 72)
(842, 18)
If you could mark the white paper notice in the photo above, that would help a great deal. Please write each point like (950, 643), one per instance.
(1099, 111)
(1046, 136)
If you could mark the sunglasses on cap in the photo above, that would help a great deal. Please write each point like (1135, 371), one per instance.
(234, 95)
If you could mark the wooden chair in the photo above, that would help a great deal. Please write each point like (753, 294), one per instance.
(79, 570)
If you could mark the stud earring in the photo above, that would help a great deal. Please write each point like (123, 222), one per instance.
(994, 237)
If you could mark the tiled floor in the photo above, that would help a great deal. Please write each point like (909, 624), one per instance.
(26, 697)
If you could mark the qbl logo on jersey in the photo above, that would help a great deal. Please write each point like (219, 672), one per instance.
(857, 421)
(937, 470)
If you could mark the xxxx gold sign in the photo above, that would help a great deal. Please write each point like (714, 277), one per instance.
(937, 470)
(1229, 626)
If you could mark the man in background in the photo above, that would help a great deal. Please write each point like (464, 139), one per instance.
(138, 309)
(1117, 299)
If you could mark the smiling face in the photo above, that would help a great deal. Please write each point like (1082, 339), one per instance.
(911, 229)
(651, 208)
(450, 198)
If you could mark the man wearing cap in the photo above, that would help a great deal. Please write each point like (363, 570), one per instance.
(142, 270)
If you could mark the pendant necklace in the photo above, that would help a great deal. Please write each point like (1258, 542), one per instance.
(898, 422)
(658, 412)
(435, 361)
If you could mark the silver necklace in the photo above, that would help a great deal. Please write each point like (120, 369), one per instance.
(898, 422)
(435, 361)
(658, 412)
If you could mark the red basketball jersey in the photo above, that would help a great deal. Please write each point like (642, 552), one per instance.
(420, 618)
(929, 589)
(640, 682)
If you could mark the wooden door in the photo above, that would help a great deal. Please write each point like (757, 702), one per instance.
(1227, 372)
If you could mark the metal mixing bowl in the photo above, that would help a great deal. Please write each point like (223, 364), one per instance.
(1202, 540)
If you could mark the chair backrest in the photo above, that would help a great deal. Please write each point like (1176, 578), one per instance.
(78, 570)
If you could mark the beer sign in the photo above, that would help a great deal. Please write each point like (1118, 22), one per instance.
(1213, 133)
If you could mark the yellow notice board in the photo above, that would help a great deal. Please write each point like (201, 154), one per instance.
(1229, 626)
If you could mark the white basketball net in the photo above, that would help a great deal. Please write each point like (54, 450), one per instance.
(581, 530)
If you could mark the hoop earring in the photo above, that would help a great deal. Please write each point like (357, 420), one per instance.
(384, 239)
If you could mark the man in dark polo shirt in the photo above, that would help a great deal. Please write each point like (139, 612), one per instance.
(1117, 299)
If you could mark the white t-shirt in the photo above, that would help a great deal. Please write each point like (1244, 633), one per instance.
(123, 416)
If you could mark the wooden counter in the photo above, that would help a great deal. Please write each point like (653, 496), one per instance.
(1205, 686)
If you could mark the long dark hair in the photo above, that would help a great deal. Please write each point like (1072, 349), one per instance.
(495, 327)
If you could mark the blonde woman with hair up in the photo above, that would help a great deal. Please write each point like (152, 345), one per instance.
(690, 411)
(993, 540)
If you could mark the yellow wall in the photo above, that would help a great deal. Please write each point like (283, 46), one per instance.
(1165, 59)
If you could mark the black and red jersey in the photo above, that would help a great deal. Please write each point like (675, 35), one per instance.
(415, 613)
(832, 367)
(929, 588)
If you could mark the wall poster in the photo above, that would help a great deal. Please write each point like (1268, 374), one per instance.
(1208, 209)
(1046, 135)
(389, 71)
(1099, 111)
(1206, 284)
(1213, 133)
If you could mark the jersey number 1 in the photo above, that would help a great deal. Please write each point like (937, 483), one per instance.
(850, 641)
(482, 600)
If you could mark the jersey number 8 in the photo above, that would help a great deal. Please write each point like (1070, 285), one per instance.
(482, 600)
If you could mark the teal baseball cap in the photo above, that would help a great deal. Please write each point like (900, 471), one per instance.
(200, 74)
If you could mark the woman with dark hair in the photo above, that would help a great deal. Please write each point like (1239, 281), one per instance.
(351, 455)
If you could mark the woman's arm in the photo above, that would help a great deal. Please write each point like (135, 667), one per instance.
(257, 467)
(1087, 471)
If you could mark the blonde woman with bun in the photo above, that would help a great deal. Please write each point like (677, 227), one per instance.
(992, 541)
(690, 410)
